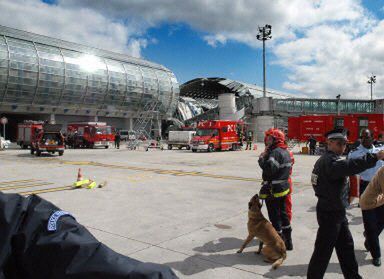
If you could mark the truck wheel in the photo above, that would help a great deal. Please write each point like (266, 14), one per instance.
(32, 151)
(211, 148)
(61, 153)
(188, 147)
(38, 153)
(234, 147)
(194, 150)
(169, 146)
(180, 147)
(106, 147)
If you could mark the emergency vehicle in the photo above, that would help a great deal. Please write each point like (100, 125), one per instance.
(214, 135)
(48, 139)
(300, 128)
(26, 131)
(90, 135)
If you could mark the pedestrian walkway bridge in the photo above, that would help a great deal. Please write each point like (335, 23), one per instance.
(307, 106)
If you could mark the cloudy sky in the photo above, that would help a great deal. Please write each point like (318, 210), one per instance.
(319, 47)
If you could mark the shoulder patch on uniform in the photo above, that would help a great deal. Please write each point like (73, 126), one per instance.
(54, 218)
(314, 178)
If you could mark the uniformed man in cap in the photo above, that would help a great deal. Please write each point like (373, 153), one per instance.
(331, 185)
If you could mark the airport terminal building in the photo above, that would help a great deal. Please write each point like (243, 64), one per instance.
(43, 78)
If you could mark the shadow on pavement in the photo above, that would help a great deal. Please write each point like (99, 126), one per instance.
(199, 263)
(28, 155)
(224, 244)
(301, 269)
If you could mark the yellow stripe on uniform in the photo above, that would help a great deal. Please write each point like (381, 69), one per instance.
(282, 194)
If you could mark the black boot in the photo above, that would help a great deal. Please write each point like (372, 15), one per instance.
(288, 239)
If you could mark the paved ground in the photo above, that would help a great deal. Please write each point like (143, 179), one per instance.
(187, 210)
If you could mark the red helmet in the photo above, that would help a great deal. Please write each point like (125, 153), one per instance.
(277, 134)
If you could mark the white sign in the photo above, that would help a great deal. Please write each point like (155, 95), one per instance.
(4, 120)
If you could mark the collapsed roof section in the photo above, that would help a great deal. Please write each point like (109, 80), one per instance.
(210, 88)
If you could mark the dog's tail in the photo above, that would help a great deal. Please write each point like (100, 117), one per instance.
(279, 261)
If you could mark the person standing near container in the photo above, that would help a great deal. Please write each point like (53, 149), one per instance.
(312, 145)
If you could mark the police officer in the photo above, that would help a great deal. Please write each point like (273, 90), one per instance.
(373, 219)
(331, 185)
(276, 164)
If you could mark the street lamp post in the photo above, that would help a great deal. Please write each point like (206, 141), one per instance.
(264, 35)
(371, 81)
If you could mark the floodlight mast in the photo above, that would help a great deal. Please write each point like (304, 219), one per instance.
(371, 81)
(264, 35)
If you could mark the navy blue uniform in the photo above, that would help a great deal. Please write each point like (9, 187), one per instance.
(331, 184)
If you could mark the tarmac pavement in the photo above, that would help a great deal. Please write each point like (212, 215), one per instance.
(187, 210)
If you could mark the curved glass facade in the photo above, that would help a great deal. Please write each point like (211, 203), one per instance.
(41, 71)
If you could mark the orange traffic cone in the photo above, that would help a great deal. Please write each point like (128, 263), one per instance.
(79, 175)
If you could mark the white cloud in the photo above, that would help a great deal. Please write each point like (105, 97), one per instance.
(328, 47)
(77, 24)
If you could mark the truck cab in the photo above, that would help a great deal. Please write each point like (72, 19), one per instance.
(217, 135)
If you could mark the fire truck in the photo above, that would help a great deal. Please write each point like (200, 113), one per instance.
(300, 128)
(90, 135)
(214, 135)
(26, 131)
(48, 139)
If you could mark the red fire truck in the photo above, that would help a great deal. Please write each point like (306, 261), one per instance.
(302, 127)
(26, 131)
(214, 135)
(90, 135)
(48, 139)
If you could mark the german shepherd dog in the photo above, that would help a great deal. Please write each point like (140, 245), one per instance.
(274, 249)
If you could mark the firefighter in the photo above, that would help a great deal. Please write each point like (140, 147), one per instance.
(330, 182)
(249, 140)
(373, 219)
(276, 164)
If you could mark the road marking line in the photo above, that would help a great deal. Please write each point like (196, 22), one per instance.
(18, 181)
(162, 171)
(23, 186)
(47, 190)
